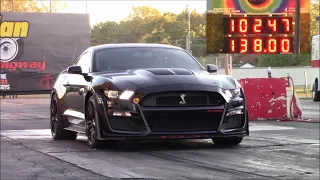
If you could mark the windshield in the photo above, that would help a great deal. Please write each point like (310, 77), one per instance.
(136, 58)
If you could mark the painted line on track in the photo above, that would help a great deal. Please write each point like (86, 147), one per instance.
(45, 133)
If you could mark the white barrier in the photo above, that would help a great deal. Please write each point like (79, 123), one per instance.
(297, 73)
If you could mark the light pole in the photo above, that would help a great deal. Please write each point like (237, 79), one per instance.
(318, 19)
(188, 34)
(86, 7)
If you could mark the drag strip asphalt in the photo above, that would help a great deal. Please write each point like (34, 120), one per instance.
(274, 150)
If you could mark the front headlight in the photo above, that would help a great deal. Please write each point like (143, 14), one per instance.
(125, 95)
(111, 94)
(233, 94)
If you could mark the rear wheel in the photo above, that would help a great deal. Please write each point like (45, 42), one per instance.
(56, 123)
(315, 94)
(227, 141)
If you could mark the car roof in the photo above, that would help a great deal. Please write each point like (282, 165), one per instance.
(133, 45)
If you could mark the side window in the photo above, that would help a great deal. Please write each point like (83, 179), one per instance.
(85, 62)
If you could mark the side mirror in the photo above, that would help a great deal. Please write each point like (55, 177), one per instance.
(212, 68)
(74, 70)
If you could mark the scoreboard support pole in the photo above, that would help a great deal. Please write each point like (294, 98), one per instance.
(228, 65)
(297, 29)
(318, 19)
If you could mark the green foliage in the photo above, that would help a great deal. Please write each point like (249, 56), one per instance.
(305, 40)
(104, 32)
(315, 11)
(214, 34)
(148, 25)
(31, 6)
(281, 60)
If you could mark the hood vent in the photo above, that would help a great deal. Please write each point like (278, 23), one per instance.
(182, 72)
(170, 72)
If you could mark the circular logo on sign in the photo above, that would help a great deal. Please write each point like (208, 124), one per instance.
(257, 2)
(46, 82)
(8, 49)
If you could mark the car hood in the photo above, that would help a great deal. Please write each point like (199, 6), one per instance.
(146, 78)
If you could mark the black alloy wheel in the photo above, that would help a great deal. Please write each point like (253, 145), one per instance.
(53, 118)
(56, 123)
(91, 129)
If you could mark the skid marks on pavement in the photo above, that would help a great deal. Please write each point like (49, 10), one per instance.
(45, 133)
(266, 154)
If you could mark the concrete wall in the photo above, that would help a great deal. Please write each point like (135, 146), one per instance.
(297, 73)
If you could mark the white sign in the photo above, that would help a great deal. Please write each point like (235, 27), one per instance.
(4, 82)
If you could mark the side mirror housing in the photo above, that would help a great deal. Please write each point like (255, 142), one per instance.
(74, 70)
(212, 68)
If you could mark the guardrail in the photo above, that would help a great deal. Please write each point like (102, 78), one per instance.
(15, 94)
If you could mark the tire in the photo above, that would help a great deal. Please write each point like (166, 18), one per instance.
(91, 124)
(315, 94)
(56, 122)
(227, 141)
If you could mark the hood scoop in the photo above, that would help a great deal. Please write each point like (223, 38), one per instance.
(170, 72)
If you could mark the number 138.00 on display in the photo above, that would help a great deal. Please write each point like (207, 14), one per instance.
(257, 45)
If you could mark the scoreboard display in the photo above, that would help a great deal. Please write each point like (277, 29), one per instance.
(257, 27)
(258, 45)
(257, 34)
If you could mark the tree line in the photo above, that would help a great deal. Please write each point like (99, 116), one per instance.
(149, 25)
(32, 6)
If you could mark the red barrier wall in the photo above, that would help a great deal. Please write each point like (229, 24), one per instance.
(266, 97)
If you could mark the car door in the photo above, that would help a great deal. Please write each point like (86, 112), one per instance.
(76, 88)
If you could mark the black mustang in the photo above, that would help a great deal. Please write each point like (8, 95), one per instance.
(146, 91)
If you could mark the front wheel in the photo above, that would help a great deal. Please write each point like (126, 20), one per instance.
(227, 141)
(91, 128)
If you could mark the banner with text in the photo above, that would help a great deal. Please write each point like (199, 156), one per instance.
(36, 47)
(257, 6)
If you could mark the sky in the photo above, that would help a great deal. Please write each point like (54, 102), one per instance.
(108, 10)
(116, 10)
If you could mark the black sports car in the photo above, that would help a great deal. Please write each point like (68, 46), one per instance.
(146, 91)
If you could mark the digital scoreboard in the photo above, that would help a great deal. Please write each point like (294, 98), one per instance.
(257, 34)
(257, 27)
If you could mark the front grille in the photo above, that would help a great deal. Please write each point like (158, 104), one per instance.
(176, 100)
(126, 123)
(236, 121)
(191, 120)
(171, 99)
